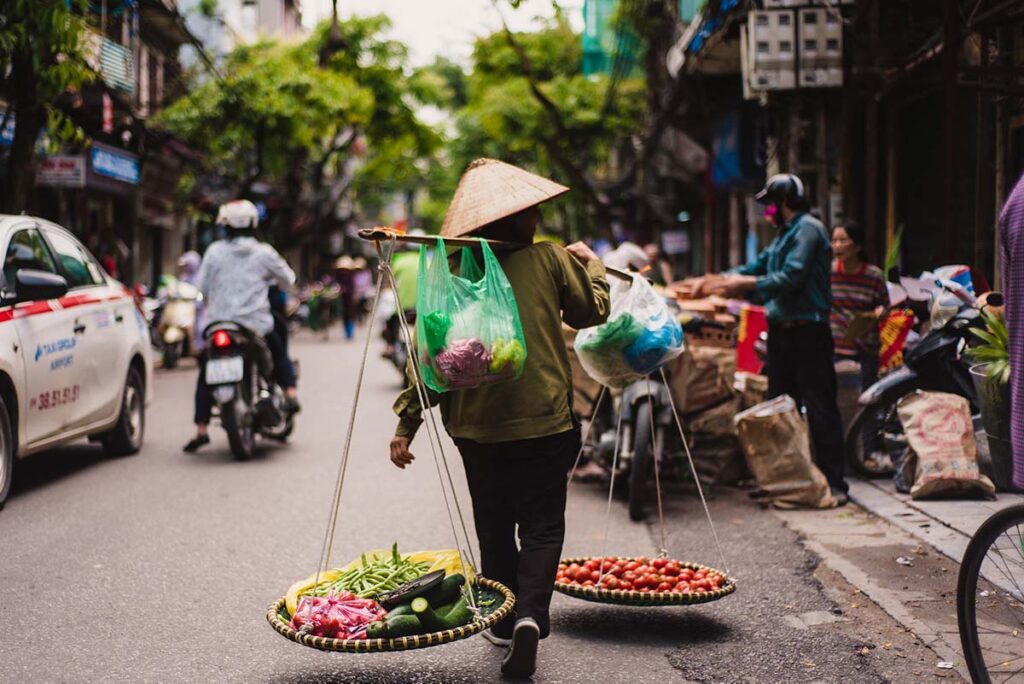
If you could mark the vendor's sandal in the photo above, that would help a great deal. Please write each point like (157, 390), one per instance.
(521, 660)
(197, 441)
(841, 497)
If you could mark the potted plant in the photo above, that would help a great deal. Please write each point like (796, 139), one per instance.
(991, 377)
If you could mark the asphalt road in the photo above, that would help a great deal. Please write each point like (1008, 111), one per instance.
(160, 567)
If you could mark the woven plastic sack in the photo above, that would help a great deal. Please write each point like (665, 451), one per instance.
(467, 327)
(940, 434)
(640, 335)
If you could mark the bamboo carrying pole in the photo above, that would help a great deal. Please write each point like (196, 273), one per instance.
(385, 234)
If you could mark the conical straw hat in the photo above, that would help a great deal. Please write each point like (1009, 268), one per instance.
(490, 190)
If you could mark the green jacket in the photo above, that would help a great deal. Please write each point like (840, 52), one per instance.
(795, 272)
(551, 286)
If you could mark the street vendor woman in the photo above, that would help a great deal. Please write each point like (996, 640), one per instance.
(793, 276)
(518, 438)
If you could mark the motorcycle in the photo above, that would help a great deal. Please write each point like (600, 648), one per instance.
(938, 362)
(648, 433)
(239, 375)
(177, 323)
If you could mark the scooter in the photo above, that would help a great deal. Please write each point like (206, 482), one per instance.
(177, 322)
(939, 362)
(239, 375)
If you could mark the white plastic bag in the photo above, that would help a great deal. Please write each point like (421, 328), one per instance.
(640, 335)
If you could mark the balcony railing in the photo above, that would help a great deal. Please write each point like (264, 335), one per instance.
(112, 61)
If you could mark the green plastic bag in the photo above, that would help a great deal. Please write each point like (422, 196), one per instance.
(468, 330)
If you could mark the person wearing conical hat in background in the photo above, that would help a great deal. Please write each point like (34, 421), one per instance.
(518, 438)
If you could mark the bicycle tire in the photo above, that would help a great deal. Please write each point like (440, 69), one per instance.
(967, 587)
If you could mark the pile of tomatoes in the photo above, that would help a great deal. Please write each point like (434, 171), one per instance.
(639, 574)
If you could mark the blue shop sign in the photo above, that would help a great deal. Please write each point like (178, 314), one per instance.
(113, 163)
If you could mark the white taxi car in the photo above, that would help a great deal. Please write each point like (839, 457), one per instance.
(74, 349)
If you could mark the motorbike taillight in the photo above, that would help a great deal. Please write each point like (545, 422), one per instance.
(221, 339)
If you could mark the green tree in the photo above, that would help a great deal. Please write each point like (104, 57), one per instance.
(292, 115)
(41, 58)
(527, 102)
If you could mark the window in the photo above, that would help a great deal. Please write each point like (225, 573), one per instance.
(785, 46)
(762, 47)
(810, 18)
(785, 19)
(832, 45)
(26, 250)
(79, 269)
(762, 19)
(810, 46)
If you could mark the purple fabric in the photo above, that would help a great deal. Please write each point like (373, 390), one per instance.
(463, 364)
(1011, 227)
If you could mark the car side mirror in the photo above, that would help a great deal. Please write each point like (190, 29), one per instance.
(33, 285)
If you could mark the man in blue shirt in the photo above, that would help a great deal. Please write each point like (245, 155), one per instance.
(792, 274)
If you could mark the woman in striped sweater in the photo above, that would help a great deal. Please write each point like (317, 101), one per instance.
(858, 289)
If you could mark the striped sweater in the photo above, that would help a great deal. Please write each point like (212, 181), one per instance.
(853, 293)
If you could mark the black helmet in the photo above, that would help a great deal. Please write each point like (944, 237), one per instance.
(783, 188)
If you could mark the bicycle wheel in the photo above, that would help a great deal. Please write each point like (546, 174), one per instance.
(990, 599)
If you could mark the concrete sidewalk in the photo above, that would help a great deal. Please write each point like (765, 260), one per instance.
(946, 525)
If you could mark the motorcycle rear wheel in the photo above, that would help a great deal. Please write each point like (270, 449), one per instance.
(643, 459)
(878, 419)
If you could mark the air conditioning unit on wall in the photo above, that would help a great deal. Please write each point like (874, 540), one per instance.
(820, 49)
(771, 50)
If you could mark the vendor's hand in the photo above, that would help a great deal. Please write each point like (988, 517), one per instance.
(581, 251)
(400, 454)
(698, 286)
(731, 286)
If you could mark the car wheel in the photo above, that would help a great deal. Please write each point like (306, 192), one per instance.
(126, 437)
(6, 452)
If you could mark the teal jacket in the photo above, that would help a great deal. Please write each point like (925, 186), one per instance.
(794, 272)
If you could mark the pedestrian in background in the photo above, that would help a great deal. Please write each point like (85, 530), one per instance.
(1011, 233)
(859, 296)
(793, 275)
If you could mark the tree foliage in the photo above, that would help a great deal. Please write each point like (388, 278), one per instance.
(290, 115)
(500, 117)
(41, 58)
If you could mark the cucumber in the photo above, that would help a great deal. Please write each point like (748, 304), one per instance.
(400, 609)
(404, 625)
(377, 630)
(427, 617)
(455, 614)
(447, 591)
(394, 626)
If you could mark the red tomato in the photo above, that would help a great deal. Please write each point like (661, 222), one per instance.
(616, 570)
(672, 567)
(700, 574)
(625, 586)
(612, 583)
(651, 580)
(659, 563)
(701, 590)
(611, 559)
(564, 580)
(687, 573)
(664, 586)
(629, 575)
(642, 560)
(632, 566)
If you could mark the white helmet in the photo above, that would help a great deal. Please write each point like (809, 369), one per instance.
(238, 215)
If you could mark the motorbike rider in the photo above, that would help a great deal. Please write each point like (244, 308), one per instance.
(793, 275)
(235, 278)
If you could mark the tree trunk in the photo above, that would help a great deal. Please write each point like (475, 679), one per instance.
(30, 115)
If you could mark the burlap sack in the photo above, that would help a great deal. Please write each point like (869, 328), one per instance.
(776, 443)
(715, 445)
(701, 377)
(941, 435)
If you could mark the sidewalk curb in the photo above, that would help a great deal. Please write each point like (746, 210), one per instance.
(890, 604)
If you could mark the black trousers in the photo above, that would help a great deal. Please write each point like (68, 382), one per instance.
(800, 364)
(521, 483)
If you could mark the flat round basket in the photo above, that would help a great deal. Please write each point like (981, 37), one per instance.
(500, 601)
(645, 598)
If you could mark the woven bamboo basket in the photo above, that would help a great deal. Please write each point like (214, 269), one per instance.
(645, 598)
(279, 620)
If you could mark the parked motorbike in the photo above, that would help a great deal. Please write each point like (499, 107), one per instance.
(648, 433)
(240, 377)
(177, 322)
(938, 362)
